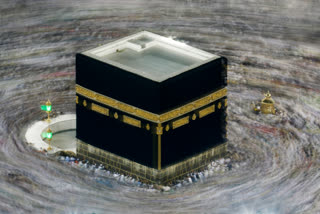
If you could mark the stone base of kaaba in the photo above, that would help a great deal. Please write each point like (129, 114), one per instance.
(147, 174)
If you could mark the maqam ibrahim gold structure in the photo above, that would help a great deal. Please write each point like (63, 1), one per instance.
(267, 105)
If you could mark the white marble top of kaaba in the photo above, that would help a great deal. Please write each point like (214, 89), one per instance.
(150, 55)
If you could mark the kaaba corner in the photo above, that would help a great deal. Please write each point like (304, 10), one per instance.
(151, 107)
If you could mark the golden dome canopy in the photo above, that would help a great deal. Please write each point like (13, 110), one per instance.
(267, 104)
(267, 98)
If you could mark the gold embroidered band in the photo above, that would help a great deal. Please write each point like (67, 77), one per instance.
(146, 114)
(206, 111)
(180, 122)
(131, 121)
(99, 109)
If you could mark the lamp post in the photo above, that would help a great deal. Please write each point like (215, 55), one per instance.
(49, 137)
(47, 108)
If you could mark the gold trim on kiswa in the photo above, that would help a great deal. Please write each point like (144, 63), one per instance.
(194, 116)
(206, 111)
(116, 104)
(159, 152)
(180, 122)
(99, 109)
(148, 115)
(167, 127)
(159, 129)
(131, 121)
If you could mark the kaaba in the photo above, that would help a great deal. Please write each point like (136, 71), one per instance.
(151, 107)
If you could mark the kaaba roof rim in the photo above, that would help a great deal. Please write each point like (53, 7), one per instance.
(142, 42)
